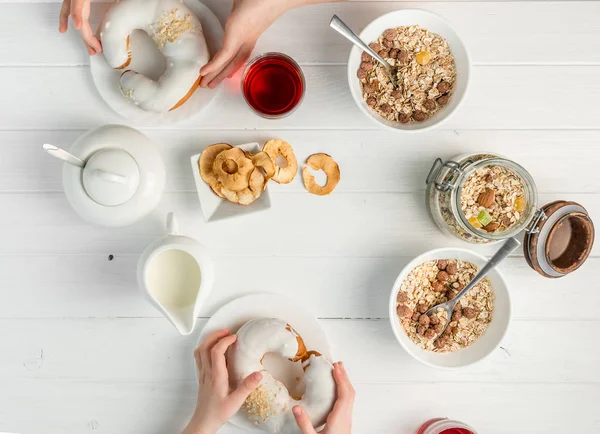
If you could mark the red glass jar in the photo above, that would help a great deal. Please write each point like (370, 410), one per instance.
(445, 426)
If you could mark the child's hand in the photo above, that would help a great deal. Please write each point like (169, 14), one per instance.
(79, 10)
(339, 420)
(216, 403)
(247, 21)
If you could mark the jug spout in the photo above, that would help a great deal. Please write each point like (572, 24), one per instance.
(184, 322)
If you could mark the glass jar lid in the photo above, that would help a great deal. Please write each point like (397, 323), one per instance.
(560, 239)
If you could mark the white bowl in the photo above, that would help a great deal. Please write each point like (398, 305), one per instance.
(429, 21)
(215, 208)
(486, 343)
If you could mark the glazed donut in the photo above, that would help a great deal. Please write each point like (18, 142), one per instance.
(178, 35)
(269, 407)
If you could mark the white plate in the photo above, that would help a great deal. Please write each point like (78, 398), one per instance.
(486, 343)
(215, 208)
(237, 312)
(429, 21)
(150, 62)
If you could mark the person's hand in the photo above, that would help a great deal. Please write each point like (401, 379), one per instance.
(79, 10)
(339, 420)
(216, 403)
(247, 21)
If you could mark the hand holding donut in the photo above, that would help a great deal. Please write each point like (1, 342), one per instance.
(79, 10)
(216, 403)
(339, 420)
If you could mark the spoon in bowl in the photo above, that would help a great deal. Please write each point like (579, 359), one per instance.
(507, 248)
(339, 26)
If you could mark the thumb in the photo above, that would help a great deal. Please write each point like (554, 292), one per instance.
(303, 421)
(246, 387)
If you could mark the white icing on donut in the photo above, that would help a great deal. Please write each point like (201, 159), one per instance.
(177, 33)
(270, 406)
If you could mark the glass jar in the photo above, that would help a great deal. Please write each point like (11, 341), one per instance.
(444, 188)
(445, 426)
(558, 236)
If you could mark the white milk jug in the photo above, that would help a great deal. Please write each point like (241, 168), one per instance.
(176, 274)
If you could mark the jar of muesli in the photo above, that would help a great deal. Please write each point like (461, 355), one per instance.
(485, 198)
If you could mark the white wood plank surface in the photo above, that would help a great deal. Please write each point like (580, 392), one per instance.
(81, 351)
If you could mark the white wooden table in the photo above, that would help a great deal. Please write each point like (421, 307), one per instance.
(81, 351)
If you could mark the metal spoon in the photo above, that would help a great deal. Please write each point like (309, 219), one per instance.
(507, 248)
(63, 155)
(339, 26)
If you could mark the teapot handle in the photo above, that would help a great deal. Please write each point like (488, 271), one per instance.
(172, 226)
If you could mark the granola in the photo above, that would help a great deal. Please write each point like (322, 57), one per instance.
(435, 282)
(493, 199)
(426, 74)
(170, 26)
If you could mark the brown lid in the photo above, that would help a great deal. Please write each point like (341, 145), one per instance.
(560, 239)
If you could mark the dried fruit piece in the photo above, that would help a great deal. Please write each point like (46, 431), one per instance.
(486, 198)
(423, 57)
(520, 203)
(484, 218)
(475, 223)
(207, 158)
(275, 148)
(232, 169)
(263, 161)
(329, 166)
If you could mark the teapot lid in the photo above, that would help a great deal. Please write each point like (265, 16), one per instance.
(111, 177)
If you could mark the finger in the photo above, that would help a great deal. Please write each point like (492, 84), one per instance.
(90, 39)
(345, 391)
(302, 420)
(77, 12)
(220, 60)
(217, 356)
(63, 20)
(230, 69)
(207, 345)
(246, 387)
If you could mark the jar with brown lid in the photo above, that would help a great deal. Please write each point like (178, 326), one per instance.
(485, 198)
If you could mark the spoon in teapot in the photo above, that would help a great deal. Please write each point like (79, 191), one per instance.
(507, 248)
(63, 155)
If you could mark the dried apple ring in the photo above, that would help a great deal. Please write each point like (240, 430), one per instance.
(233, 169)
(205, 163)
(275, 148)
(263, 161)
(325, 163)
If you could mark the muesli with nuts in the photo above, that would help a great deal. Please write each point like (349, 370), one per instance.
(435, 282)
(493, 199)
(425, 69)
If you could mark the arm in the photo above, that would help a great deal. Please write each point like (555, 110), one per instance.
(216, 403)
(79, 10)
(247, 21)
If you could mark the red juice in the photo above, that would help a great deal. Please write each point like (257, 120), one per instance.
(444, 426)
(273, 85)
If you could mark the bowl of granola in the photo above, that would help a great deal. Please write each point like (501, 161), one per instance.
(478, 323)
(432, 71)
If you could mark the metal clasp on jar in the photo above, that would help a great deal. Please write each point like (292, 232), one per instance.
(444, 181)
(537, 218)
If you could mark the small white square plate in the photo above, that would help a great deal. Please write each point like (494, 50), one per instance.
(215, 208)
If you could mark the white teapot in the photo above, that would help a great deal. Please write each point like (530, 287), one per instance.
(176, 275)
(114, 177)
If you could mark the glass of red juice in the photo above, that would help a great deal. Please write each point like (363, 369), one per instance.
(273, 85)
(445, 426)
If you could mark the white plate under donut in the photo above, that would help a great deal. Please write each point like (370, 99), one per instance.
(147, 60)
(236, 313)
